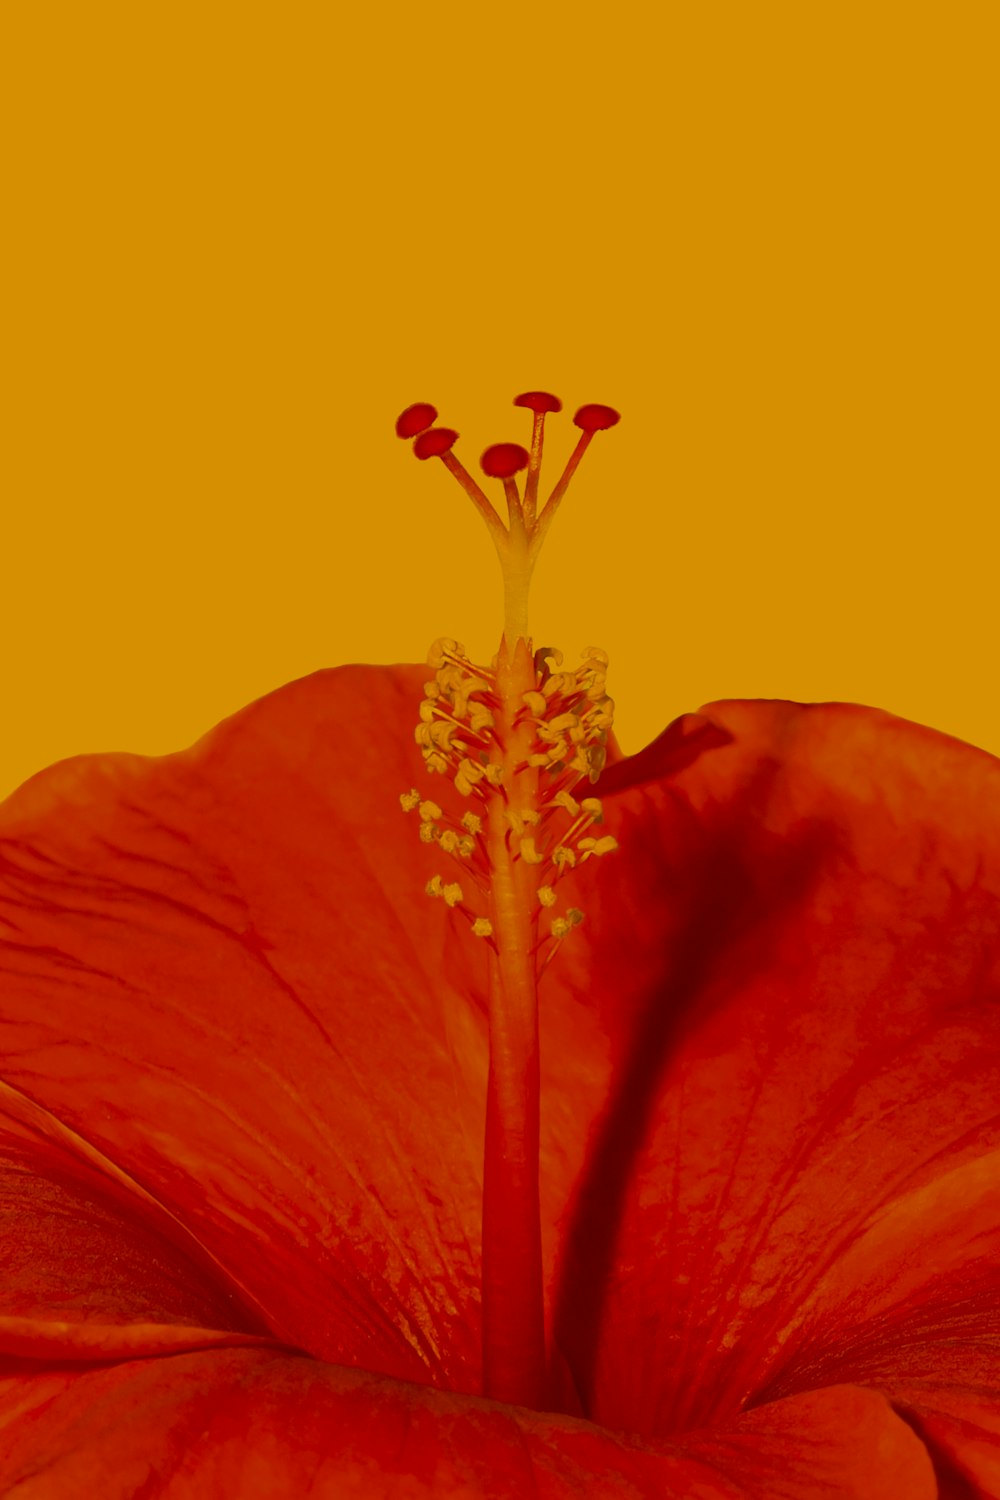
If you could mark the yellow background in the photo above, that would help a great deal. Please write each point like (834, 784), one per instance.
(244, 237)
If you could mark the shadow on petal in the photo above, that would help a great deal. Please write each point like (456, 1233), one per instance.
(724, 906)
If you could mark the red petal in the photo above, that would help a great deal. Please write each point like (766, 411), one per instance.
(246, 1422)
(795, 961)
(92, 1268)
(682, 743)
(222, 972)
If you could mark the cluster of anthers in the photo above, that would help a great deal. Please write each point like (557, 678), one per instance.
(570, 715)
(519, 737)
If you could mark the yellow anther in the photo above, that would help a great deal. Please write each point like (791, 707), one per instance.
(597, 846)
(429, 832)
(472, 822)
(449, 841)
(538, 760)
(468, 775)
(480, 718)
(409, 800)
(434, 736)
(514, 820)
(563, 722)
(433, 886)
(482, 927)
(435, 761)
(452, 893)
(563, 799)
(441, 732)
(429, 811)
(562, 857)
(466, 847)
(595, 653)
(546, 895)
(592, 805)
(494, 775)
(599, 720)
(562, 925)
(537, 702)
(529, 853)
(431, 689)
(589, 760)
(546, 654)
(442, 647)
(427, 711)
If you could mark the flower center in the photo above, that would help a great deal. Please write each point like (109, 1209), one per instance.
(516, 739)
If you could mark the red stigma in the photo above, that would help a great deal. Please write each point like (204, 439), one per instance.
(415, 419)
(594, 418)
(434, 442)
(538, 401)
(503, 460)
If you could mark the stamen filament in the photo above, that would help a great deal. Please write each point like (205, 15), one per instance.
(445, 717)
(549, 956)
(577, 827)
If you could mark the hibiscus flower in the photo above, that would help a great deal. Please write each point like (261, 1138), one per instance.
(734, 1233)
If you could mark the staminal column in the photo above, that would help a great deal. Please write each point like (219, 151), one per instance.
(514, 1363)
